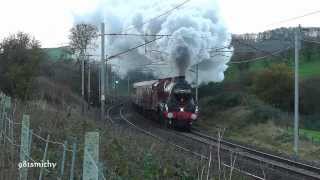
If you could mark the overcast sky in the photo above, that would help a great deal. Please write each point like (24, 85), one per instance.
(50, 20)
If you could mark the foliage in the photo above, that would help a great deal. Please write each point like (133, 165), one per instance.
(226, 100)
(19, 61)
(262, 112)
(310, 96)
(275, 86)
(312, 122)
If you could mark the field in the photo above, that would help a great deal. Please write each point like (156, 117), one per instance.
(310, 69)
(248, 118)
(311, 135)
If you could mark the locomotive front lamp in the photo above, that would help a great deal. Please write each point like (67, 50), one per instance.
(193, 116)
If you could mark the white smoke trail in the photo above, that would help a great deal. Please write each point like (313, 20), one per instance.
(195, 28)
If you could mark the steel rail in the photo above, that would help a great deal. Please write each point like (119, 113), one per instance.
(183, 148)
(278, 161)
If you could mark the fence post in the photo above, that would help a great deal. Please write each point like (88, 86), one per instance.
(91, 156)
(74, 152)
(102, 169)
(65, 145)
(5, 117)
(30, 140)
(44, 156)
(1, 117)
(24, 146)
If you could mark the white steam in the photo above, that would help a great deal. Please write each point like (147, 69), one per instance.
(195, 30)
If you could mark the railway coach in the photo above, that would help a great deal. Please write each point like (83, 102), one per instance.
(168, 100)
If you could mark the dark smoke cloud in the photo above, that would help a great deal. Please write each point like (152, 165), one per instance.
(195, 28)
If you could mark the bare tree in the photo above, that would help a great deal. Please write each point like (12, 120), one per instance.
(82, 38)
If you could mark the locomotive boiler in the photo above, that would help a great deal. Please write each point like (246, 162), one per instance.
(168, 100)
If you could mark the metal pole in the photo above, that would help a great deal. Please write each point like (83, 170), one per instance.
(102, 98)
(296, 91)
(197, 81)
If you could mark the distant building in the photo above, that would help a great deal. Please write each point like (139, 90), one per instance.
(59, 53)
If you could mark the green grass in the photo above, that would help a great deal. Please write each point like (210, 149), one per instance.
(309, 69)
(306, 69)
(308, 134)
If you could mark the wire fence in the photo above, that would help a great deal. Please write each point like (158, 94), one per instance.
(25, 154)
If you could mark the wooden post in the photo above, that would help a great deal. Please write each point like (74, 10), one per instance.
(74, 152)
(102, 169)
(65, 145)
(44, 156)
(91, 156)
(24, 146)
(2, 117)
(30, 140)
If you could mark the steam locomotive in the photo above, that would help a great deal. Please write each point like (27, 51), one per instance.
(168, 100)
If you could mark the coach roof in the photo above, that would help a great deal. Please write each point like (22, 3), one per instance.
(144, 83)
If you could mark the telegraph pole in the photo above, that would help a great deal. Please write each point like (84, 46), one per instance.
(99, 81)
(197, 81)
(296, 90)
(107, 77)
(82, 78)
(102, 76)
(89, 83)
(128, 85)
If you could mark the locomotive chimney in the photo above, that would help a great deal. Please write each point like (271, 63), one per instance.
(179, 78)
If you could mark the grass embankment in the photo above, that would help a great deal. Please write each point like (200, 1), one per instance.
(257, 125)
(307, 69)
(124, 152)
(310, 69)
(310, 135)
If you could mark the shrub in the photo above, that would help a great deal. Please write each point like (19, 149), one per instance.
(226, 100)
(275, 86)
(310, 96)
(19, 62)
(312, 122)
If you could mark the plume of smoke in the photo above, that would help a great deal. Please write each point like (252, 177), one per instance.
(195, 28)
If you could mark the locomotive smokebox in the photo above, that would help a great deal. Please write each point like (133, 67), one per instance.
(180, 78)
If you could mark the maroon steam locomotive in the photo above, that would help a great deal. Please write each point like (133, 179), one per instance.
(170, 100)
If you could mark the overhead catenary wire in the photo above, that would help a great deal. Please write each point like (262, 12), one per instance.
(131, 49)
(252, 47)
(311, 41)
(294, 18)
(259, 58)
(145, 35)
(159, 16)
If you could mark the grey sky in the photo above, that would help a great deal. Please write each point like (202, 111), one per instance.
(50, 20)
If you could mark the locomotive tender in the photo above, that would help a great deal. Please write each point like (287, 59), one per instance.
(170, 100)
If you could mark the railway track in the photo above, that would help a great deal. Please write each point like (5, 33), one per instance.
(306, 171)
(294, 168)
(122, 116)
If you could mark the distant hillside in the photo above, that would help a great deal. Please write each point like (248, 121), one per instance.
(58, 53)
(276, 46)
